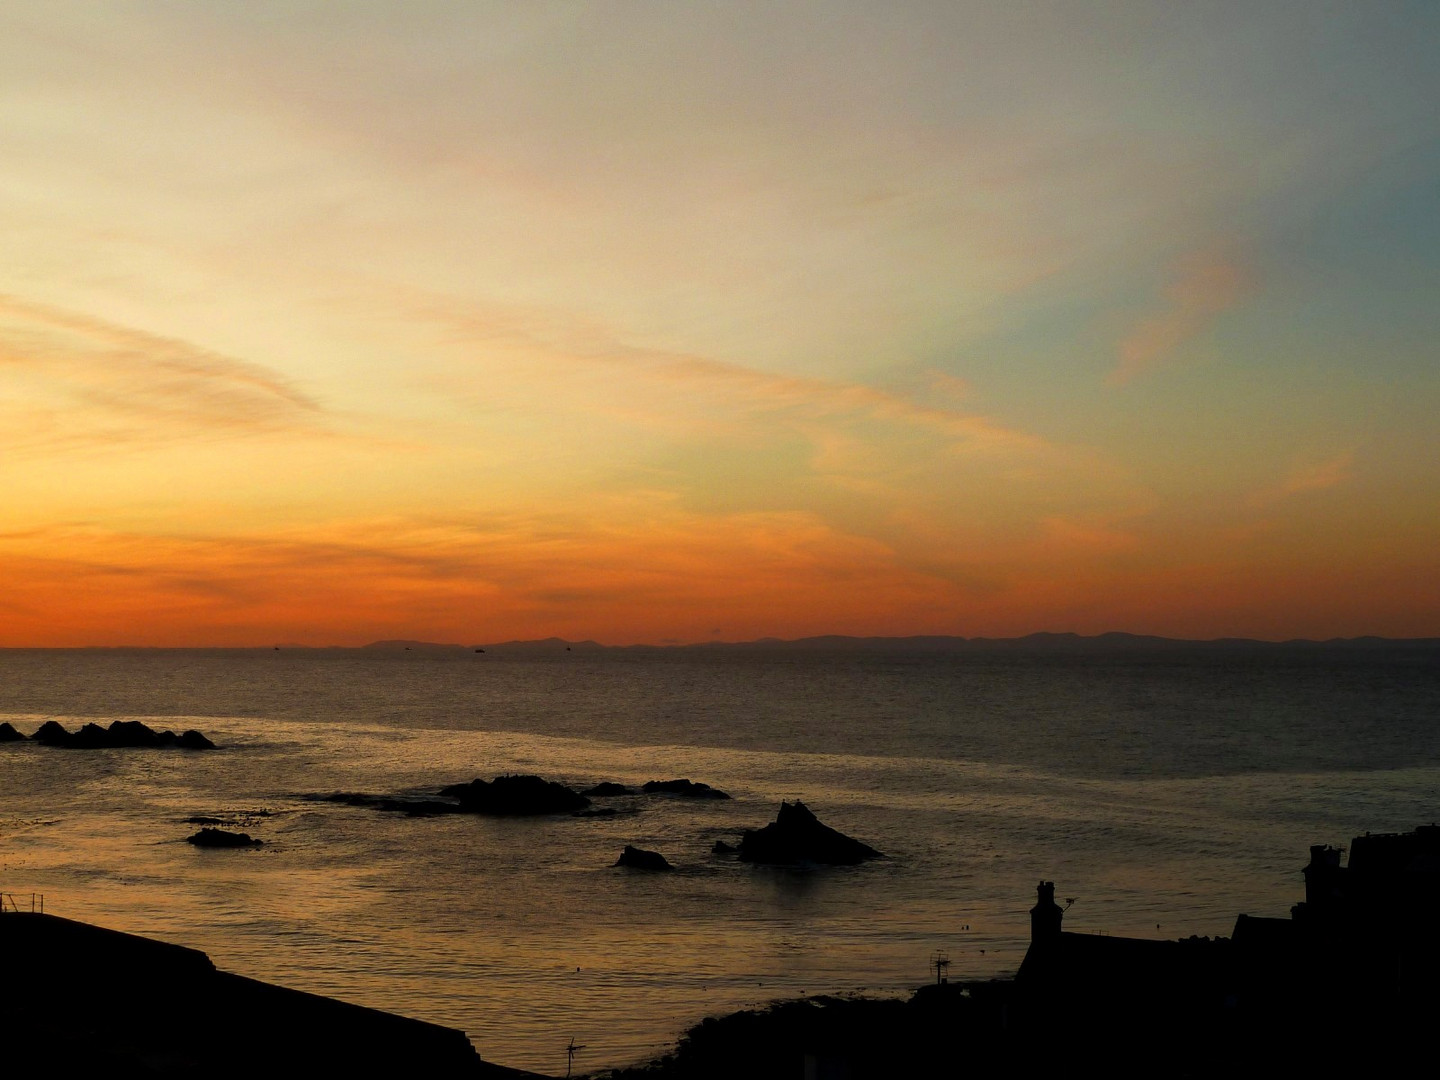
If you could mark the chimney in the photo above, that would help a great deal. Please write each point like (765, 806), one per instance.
(1045, 916)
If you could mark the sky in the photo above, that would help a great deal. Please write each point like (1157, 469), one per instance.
(651, 322)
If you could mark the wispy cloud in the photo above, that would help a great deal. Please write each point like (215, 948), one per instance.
(1309, 476)
(85, 381)
(563, 340)
(1204, 286)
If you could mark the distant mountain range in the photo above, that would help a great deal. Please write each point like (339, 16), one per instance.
(1031, 643)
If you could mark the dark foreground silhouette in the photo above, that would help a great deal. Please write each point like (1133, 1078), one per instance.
(1346, 987)
(87, 1001)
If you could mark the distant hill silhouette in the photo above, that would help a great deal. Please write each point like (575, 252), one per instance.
(1039, 643)
(1044, 643)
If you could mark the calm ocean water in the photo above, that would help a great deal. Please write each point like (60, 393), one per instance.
(1176, 790)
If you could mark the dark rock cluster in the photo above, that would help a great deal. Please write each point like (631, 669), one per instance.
(795, 837)
(516, 796)
(120, 733)
(505, 796)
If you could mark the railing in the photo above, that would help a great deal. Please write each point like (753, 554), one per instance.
(9, 902)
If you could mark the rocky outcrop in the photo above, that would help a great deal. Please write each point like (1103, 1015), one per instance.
(89, 737)
(515, 796)
(8, 733)
(689, 789)
(193, 740)
(412, 806)
(797, 836)
(505, 796)
(640, 859)
(606, 790)
(132, 733)
(120, 733)
(52, 733)
(220, 838)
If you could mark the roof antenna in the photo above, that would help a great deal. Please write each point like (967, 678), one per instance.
(940, 961)
(570, 1052)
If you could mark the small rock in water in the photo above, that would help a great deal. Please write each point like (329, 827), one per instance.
(606, 789)
(690, 789)
(640, 859)
(8, 733)
(220, 838)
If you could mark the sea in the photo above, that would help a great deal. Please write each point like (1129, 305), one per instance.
(1164, 793)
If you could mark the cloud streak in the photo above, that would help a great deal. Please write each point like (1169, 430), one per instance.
(1204, 286)
(1308, 477)
(92, 382)
(557, 338)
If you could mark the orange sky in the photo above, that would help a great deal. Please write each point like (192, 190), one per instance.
(646, 323)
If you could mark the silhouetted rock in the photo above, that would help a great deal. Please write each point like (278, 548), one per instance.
(120, 733)
(722, 848)
(687, 788)
(514, 796)
(797, 836)
(505, 796)
(640, 859)
(606, 789)
(52, 733)
(128, 733)
(8, 733)
(413, 806)
(89, 737)
(220, 838)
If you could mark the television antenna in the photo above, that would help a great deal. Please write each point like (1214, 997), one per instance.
(940, 961)
(570, 1052)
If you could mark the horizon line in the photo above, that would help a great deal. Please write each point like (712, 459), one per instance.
(1035, 637)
